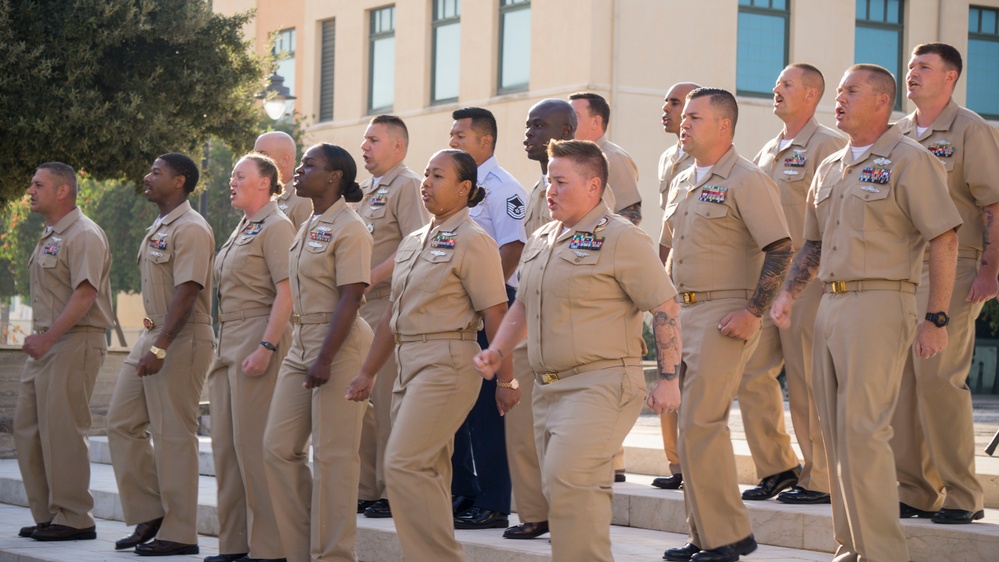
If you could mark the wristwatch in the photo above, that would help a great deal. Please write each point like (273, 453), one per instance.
(514, 384)
(268, 345)
(159, 352)
(939, 319)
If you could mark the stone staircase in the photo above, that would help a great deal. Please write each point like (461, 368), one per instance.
(646, 520)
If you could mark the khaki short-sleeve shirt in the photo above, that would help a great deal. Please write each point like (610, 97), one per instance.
(793, 167)
(969, 151)
(719, 226)
(74, 250)
(298, 209)
(391, 210)
(253, 260)
(672, 162)
(443, 276)
(622, 176)
(584, 290)
(329, 251)
(874, 215)
(178, 250)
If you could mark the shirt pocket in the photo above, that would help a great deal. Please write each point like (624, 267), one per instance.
(867, 209)
(578, 280)
(433, 266)
(374, 213)
(315, 261)
(47, 261)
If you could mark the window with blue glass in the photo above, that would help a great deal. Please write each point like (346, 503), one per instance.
(762, 45)
(982, 63)
(514, 46)
(284, 56)
(381, 60)
(447, 48)
(878, 39)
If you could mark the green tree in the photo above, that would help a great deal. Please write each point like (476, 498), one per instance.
(107, 85)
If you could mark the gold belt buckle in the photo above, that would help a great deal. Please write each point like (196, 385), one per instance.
(398, 339)
(689, 298)
(838, 286)
(148, 323)
(296, 319)
(549, 377)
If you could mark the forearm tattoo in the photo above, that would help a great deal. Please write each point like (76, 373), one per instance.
(775, 265)
(804, 268)
(989, 217)
(666, 330)
(632, 213)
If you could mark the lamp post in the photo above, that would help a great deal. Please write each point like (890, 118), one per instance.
(275, 96)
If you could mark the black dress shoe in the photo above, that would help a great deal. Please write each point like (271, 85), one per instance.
(799, 495)
(682, 553)
(461, 504)
(619, 476)
(27, 531)
(727, 553)
(248, 559)
(379, 510)
(364, 504)
(226, 557)
(906, 511)
(166, 548)
(949, 516)
(143, 533)
(526, 530)
(674, 482)
(64, 533)
(773, 485)
(480, 518)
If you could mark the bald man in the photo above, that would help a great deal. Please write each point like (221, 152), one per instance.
(282, 149)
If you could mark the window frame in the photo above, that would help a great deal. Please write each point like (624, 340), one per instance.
(435, 24)
(373, 37)
(506, 7)
(980, 36)
(326, 98)
(770, 11)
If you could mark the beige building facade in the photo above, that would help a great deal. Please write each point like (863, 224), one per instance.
(350, 57)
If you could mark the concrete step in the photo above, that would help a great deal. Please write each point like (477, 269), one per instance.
(646, 521)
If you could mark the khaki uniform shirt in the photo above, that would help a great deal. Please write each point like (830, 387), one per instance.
(967, 146)
(792, 169)
(253, 261)
(538, 215)
(623, 174)
(178, 250)
(672, 162)
(328, 252)
(298, 209)
(875, 215)
(719, 226)
(443, 276)
(585, 289)
(391, 210)
(72, 251)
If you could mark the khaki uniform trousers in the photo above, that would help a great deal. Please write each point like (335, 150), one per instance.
(860, 345)
(50, 428)
(378, 413)
(934, 442)
(521, 449)
(762, 403)
(316, 512)
(711, 371)
(240, 405)
(668, 423)
(579, 422)
(161, 409)
(436, 389)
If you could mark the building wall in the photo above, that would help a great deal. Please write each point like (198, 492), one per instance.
(629, 51)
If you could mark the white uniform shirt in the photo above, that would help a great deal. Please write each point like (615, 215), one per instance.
(501, 213)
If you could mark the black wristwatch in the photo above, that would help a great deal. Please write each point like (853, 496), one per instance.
(268, 345)
(939, 319)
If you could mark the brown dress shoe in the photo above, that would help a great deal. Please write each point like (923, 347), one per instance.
(143, 533)
(64, 533)
(27, 531)
(166, 548)
(526, 530)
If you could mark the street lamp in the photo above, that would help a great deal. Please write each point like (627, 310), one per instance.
(275, 96)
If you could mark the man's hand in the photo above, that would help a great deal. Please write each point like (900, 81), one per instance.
(149, 365)
(665, 397)
(487, 362)
(37, 345)
(317, 375)
(930, 340)
(257, 362)
(780, 310)
(740, 324)
(984, 287)
(506, 399)
(360, 386)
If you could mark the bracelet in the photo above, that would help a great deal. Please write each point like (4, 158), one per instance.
(268, 346)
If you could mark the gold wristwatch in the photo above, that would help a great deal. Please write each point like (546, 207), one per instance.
(159, 352)
(514, 384)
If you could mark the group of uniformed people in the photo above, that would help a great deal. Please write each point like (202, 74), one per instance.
(397, 324)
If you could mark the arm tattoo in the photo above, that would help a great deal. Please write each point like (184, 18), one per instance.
(804, 268)
(666, 330)
(989, 218)
(632, 213)
(775, 265)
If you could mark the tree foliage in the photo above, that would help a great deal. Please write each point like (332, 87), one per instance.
(107, 85)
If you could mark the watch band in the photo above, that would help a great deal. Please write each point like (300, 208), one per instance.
(159, 352)
(268, 345)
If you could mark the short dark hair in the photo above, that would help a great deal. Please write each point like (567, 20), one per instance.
(598, 105)
(339, 159)
(483, 120)
(182, 165)
(64, 173)
(879, 77)
(722, 100)
(468, 170)
(947, 53)
(392, 122)
(812, 76)
(586, 154)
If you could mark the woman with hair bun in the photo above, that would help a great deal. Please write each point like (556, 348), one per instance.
(330, 266)
(446, 282)
(254, 301)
